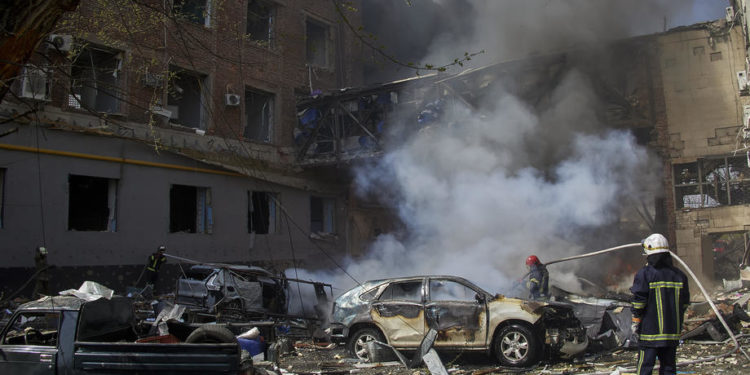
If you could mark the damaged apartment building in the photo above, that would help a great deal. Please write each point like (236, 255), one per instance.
(174, 126)
(683, 93)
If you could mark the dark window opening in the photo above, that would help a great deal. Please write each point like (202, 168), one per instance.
(260, 18)
(92, 203)
(198, 11)
(186, 98)
(725, 252)
(316, 36)
(258, 115)
(712, 182)
(190, 209)
(95, 81)
(322, 215)
(261, 213)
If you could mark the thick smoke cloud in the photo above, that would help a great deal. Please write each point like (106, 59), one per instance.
(478, 191)
(438, 31)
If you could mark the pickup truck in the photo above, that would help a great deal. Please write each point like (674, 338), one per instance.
(69, 335)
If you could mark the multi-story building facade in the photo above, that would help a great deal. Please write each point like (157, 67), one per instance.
(171, 123)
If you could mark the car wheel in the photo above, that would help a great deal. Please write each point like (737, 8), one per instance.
(357, 345)
(516, 345)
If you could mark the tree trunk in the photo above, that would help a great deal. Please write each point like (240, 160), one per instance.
(23, 25)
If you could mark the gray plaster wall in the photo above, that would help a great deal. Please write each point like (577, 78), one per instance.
(142, 208)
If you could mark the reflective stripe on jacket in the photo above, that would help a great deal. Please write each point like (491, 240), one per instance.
(660, 298)
(155, 261)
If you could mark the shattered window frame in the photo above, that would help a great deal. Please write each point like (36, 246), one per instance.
(260, 22)
(193, 11)
(41, 321)
(260, 109)
(188, 95)
(268, 215)
(440, 289)
(322, 214)
(389, 294)
(96, 80)
(318, 43)
(92, 203)
(711, 182)
(190, 218)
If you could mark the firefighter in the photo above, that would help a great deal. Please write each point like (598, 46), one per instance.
(660, 298)
(41, 288)
(155, 261)
(538, 282)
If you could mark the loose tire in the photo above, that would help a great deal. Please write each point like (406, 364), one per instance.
(516, 345)
(357, 344)
(211, 334)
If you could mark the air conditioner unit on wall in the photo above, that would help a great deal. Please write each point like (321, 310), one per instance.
(60, 42)
(34, 83)
(232, 100)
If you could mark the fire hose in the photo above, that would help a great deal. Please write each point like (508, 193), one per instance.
(737, 346)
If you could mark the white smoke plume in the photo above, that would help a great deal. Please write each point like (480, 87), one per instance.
(477, 193)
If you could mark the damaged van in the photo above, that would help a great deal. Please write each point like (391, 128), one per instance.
(401, 311)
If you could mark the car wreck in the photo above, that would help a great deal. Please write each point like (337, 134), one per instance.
(401, 311)
(231, 292)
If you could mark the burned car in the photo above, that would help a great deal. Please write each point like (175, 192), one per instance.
(401, 311)
(232, 292)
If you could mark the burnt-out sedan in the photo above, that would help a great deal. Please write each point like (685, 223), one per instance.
(401, 311)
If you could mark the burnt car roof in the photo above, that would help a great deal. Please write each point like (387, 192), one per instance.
(373, 283)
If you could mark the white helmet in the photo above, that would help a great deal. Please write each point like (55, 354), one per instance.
(655, 243)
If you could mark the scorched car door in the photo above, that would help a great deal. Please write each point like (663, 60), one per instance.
(454, 310)
(29, 346)
(399, 311)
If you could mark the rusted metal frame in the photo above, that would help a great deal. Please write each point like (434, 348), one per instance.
(311, 138)
(374, 138)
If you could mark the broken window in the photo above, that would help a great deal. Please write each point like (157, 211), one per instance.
(34, 83)
(187, 98)
(197, 11)
(261, 212)
(33, 328)
(260, 19)
(259, 108)
(727, 252)
(448, 290)
(403, 291)
(322, 214)
(92, 203)
(190, 209)
(95, 80)
(2, 195)
(712, 182)
(317, 35)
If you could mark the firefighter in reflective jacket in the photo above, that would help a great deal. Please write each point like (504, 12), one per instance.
(538, 282)
(660, 298)
(155, 261)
